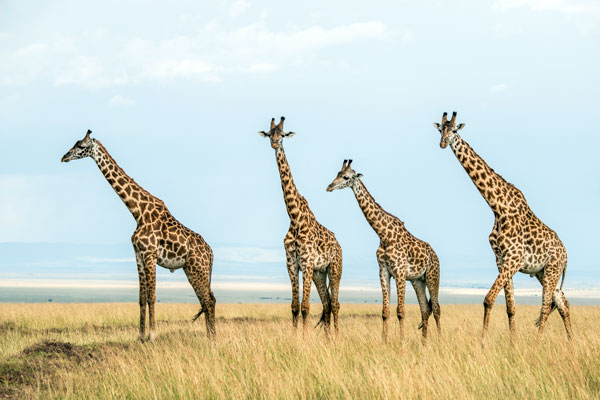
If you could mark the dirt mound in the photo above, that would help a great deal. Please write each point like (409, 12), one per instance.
(50, 348)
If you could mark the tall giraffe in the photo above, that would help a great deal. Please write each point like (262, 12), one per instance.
(309, 246)
(400, 254)
(158, 239)
(520, 241)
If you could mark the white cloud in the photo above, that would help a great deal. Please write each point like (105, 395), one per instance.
(209, 55)
(499, 87)
(120, 100)
(252, 255)
(238, 7)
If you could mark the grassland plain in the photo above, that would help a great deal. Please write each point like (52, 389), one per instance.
(91, 351)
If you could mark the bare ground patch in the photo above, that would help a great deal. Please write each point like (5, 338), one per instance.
(43, 360)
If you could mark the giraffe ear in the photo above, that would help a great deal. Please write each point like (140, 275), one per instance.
(460, 126)
(289, 134)
(263, 134)
(437, 126)
(359, 175)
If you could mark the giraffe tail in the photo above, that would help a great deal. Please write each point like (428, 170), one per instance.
(563, 277)
(430, 311)
(198, 315)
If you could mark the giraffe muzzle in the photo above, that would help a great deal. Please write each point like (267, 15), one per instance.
(64, 158)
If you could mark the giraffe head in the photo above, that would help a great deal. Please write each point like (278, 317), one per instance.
(447, 128)
(82, 148)
(347, 177)
(276, 133)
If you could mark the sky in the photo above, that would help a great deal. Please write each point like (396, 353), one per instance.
(177, 92)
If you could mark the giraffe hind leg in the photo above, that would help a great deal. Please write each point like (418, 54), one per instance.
(432, 280)
(560, 303)
(424, 305)
(198, 274)
(549, 282)
(335, 275)
(320, 279)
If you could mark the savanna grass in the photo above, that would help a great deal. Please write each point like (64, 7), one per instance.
(91, 351)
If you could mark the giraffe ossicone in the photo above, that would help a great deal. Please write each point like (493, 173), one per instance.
(158, 239)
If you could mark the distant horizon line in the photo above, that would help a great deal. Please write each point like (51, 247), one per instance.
(474, 289)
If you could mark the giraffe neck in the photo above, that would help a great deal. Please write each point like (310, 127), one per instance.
(293, 199)
(380, 220)
(136, 199)
(501, 196)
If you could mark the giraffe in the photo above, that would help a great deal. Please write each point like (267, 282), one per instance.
(400, 255)
(520, 241)
(158, 239)
(309, 246)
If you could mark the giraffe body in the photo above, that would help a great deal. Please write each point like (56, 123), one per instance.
(520, 240)
(158, 238)
(310, 247)
(400, 255)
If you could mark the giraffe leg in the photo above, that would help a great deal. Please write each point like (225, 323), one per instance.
(384, 278)
(559, 301)
(564, 310)
(293, 272)
(197, 270)
(150, 270)
(432, 280)
(307, 265)
(509, 294)
(143, 297)
(550, 277)
(511, 266)
(401, 289)
(420, 290)
(335, 275)
(320, 279)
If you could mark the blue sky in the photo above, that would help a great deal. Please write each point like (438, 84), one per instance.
(177, 93)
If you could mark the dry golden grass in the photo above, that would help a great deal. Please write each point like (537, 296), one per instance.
(258, 355)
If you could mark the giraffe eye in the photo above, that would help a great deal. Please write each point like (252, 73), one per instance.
(346, 177)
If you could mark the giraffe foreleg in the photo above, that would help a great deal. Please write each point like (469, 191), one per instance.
(307, 265)
(401, 290)
(293, 272)
(384, 278)
(150, 272)
(510, 267)
(143, 298)
(509, 294)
